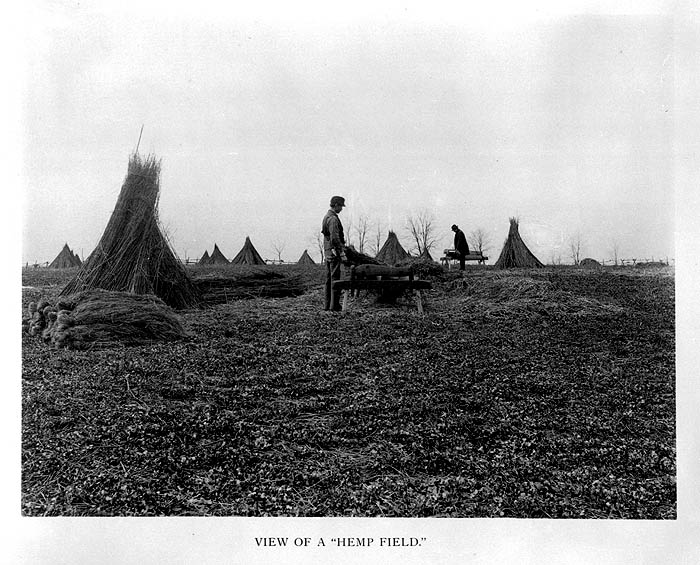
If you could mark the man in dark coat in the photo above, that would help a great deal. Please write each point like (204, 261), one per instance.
(461, 245)
(334, 250)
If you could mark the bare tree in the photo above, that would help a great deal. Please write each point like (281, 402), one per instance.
(615, 248)
(421, 226)
(376, 243)
(348, 226)
(556, 257)
(278, 245)
(480, 240)
(575, 244)
(362, 230)
(318, 240)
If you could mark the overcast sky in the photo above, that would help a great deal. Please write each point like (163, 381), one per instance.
(562, 119)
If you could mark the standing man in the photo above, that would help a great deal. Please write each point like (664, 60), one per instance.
(334, 250)
(461, 245)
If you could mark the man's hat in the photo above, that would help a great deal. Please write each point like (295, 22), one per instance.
(454, 226)
(337, 200)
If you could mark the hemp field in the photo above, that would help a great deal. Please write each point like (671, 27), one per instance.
(542, 394)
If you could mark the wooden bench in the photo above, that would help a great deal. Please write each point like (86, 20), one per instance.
(392, 280)
(451, 256)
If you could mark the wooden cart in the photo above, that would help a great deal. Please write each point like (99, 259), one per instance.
(451, 256)
(391, 281)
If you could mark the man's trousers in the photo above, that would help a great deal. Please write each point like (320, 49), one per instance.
(332, 274)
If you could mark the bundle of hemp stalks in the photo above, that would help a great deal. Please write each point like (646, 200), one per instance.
(134, 254)
(354, 257)
(100, 318)
(515, 253)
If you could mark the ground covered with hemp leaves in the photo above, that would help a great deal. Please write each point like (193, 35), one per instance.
(541, 394)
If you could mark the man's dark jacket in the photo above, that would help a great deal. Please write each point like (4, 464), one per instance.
(461, 245)
(333, 236)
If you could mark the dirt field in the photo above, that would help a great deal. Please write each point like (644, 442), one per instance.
(545, 393)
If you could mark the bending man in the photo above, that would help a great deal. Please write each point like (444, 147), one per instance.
(461, 245)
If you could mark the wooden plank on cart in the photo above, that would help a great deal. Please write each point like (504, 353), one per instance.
(369, 271)
(452, 255)
(373, 284)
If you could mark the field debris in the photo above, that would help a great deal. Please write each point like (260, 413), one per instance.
(424, 266)
(100, 318)
(589, 263)
(225, 285)
(523, 295)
